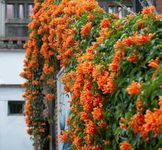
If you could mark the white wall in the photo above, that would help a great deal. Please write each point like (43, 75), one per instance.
(11, 93)
(13, 134)
(11, 64)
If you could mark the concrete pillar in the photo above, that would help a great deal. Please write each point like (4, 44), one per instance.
(2, 18)
(52, 126)
(26, 10)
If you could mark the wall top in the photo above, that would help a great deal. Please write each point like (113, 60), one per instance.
(12, 43)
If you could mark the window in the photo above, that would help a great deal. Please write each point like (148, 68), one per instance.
(120, 11)
(111, 9)
(21, 11)
(10, 11)
(15, 107)
(30, 7)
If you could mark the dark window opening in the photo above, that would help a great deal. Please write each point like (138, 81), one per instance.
(15, 107)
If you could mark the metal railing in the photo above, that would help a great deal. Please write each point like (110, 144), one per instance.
(112, 7)
(125, 8)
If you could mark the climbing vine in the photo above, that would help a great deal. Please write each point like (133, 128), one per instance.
(112, 70)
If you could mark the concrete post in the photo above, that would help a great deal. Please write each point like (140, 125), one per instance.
(2, 18)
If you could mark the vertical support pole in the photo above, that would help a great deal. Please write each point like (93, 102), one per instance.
(26, 10)
(52, 126)
(16, 11)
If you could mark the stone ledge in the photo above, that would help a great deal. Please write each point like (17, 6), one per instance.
(12, 50)
(11, 85)
(12, 43)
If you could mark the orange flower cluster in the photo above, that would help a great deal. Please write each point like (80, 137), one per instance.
(77, 141)
(91, 128)
(114, 66)
(86, 29)
(125, 146)
(134, 88)
(134, 57)
(142, 39)
(139, 104)
(151, 121)
(105, 23)
(148, 10)
(137, 122)
(154, 63)
(123, 123)
(104, 79)
(68, 80)
(50, 96)
(55, 35)
(97, 113)
(106, 83)
(86, 97)
(65, 136)
(84, 116)
(27, 120)
(160, 102)
(120, 47)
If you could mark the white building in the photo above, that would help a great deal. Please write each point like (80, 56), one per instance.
(13, 21)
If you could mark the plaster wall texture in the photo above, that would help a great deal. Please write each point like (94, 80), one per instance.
(13, 134)
(11, 65)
